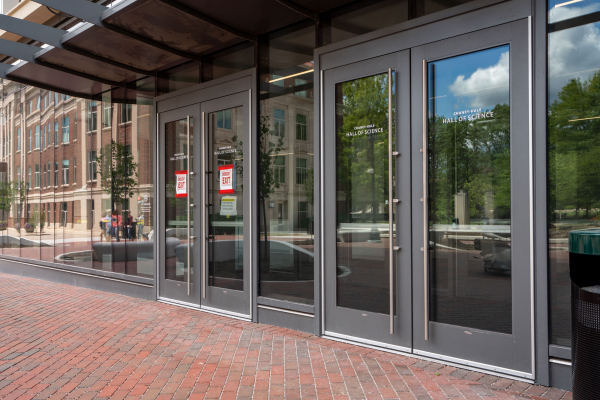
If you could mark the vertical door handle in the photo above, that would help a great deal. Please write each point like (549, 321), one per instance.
(391, 160)
(187, 187)
(203, 206)
(425, 210)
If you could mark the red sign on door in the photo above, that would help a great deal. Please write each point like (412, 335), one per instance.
(181, 184)
(227, 179)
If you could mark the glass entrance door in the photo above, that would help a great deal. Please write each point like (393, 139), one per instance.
(226, 167)
(472, 269)
(179, 274)
(367, 222)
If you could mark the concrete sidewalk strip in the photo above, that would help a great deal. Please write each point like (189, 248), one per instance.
(65, 342)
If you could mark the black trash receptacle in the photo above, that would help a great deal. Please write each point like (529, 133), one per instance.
(584, 268)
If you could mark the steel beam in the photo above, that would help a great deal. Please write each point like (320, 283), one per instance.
(299, 9)
(92, 13)
(209, 20)
(27, 53)
(53, 37)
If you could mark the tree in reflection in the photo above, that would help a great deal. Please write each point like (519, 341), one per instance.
(471, 157)
(574, 149)
(362, 146)
(266, 177)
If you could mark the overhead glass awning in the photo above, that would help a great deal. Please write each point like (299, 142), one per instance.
(138, 38)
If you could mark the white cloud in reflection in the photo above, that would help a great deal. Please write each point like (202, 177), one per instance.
(567, 12)
(486, 87)
(572, 53)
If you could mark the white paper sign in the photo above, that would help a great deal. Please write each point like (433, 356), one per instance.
(227, 179)
(229, 206)
(181, 184)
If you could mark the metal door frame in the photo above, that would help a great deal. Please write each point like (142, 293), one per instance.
(240, 82)
(452, 23)
(191, 111)
(346, 326)
(468, 345)
(222, 300)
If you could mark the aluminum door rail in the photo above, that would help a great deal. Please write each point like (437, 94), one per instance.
(203, 219)
(391, 200)
(187, 188)
(425, 210)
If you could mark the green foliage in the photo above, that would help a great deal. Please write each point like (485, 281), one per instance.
(269, 149)
(470, 156)
(118, 172)
(362, 160)
(574, 146)
(9, 193)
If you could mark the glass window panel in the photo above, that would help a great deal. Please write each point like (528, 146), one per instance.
(573, 156)
(175, 206)
(286, 209)
(561, 10)
(362, 259)
(226, 219)
(469, 190)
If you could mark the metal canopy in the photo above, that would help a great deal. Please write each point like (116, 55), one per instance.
(140, 38)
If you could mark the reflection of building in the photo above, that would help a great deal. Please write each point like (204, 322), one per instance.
(318, 253)
(291, 119)
(51, 142)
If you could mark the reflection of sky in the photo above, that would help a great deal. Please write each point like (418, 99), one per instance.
(471, 81)
(572, 53)
(560, 10)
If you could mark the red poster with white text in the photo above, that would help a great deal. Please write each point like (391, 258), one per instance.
(227, 179)
(181, 184)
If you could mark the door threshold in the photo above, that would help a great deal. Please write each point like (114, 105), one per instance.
(366, 343)
(225, 313)
(178, 303)
(476, 366)
(432, 357)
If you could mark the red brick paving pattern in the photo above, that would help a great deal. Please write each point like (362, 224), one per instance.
(64, 342)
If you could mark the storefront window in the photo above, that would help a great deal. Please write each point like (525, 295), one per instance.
(53, 213)
(285, 138)
(573, 156)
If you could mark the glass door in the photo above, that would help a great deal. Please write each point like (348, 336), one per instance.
(225, 195)
(179, 274)
(471, 195)
(367, 222)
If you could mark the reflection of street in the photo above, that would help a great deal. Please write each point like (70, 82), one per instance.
(80, 248)
(464, 293)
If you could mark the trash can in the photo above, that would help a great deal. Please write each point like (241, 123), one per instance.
(584, 268)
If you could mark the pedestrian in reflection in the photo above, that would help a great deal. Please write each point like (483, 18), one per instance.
(108, 225)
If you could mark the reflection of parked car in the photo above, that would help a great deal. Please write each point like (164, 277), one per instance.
(495, 252)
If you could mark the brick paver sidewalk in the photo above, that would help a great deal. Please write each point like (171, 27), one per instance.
(59, 341)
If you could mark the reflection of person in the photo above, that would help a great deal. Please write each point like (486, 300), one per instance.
(129, 225)
(140, 227)
(108, 225)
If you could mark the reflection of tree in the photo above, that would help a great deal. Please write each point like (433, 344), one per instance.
(574, 147)
(472, 156)
(362, 166)
(266, 178)
(118, 172)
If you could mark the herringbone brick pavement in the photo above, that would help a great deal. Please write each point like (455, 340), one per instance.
(65, 342)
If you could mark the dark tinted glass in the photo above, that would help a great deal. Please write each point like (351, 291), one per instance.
(286, 172)
(573, 157)
(363, 234)
(469, 190)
